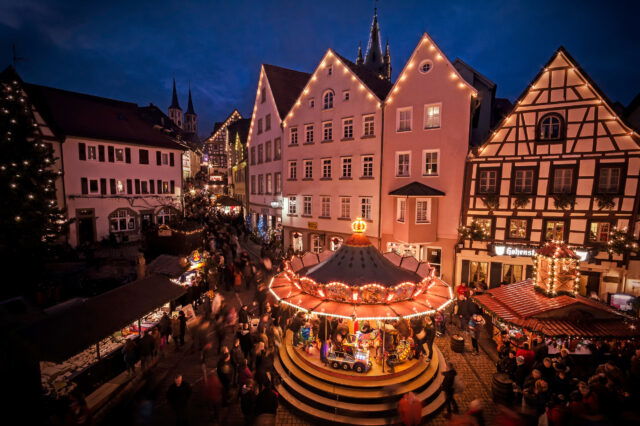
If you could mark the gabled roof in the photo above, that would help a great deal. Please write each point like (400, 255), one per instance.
(460, 63)
(77, 114)
(227, 121)
(239, 128)
(378, 85)
(417, 189)
(286, 85)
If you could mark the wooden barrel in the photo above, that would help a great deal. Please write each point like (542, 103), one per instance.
(457, 343)
(502, 389)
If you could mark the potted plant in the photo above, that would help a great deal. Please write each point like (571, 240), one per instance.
(564, 201)
(521, 200)
(492, 201)
(605, 201)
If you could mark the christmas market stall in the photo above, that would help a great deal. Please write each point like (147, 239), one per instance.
(356, 309)
(549, 307)
(79, 343)
(227, 205)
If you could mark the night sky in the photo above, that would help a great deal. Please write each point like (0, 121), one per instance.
(130, 50)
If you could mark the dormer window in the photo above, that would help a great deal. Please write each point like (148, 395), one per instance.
(550, 127)
(327, 99)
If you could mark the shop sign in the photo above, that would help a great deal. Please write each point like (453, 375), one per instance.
(519, 251)
(312, 225)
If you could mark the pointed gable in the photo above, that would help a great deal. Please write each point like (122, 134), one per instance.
(590, 122)
(286, 85)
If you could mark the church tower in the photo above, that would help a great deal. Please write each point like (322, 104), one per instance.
(190, 117)
(175, 112)
(374, 59)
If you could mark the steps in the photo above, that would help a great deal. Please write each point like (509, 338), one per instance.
(365, 400)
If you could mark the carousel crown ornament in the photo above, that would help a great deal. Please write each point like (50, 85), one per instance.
(359, 282)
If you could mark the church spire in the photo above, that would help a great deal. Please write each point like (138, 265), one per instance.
(174, 97)
(190, 109)
(190, 117)
(373, 57)
(359, 59)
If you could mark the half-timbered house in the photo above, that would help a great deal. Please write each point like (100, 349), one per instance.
(561, 166)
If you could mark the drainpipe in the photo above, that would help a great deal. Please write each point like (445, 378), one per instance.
(380, 177)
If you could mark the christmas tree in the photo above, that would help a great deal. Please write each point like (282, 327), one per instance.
(30, 219)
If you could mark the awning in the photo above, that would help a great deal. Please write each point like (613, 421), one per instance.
(227, 201)
(166, 265)
(417, 189)
(70, 331)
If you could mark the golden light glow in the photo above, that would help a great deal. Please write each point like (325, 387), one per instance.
(359, 226)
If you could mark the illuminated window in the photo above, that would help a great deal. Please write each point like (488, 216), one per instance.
(122, 220)
(554, 230)
(511, 273)
(599, 232)
(165, 216)
(316, 243)
(119, 154)
(518, 228)
(292, 205)
(432, 116)
(430, 162)
(335, 243)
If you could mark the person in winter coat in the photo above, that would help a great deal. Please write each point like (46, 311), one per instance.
(213, 395)
(178, 396)
(237, 359)
(475, 327)
(430, 336)
(130, 355)
(248, 397)
(410, 409)
(508, 365)
(164, 326)
(182, 321)
(448, 387)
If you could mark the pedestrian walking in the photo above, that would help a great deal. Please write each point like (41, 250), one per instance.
(178, 396)
(448, 387)
(182, 320)
(430, 336)
(129, 353)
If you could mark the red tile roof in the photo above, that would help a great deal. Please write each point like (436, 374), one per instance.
(286, 86)
(521, 305)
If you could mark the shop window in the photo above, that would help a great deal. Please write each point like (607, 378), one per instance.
(511, 274)
(335, 243)
(554, 230)
(165, 216)
(316, 243)
(122, 220)
(478, 272)
(434, 257)
(518, 228)
(599, 232)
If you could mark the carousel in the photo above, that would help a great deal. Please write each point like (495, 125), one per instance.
(349, 356)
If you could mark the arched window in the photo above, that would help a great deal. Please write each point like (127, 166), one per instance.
(327, 99)
(165, 215)
(550, 127)
(122, 220)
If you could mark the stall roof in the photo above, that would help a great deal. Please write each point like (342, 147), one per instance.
(70, 331)
(166, 264)
(225, 200)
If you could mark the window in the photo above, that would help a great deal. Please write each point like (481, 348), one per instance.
(122, 220)
(312, 103)
(259, 125)
(267, 122)
(325, 206)
(327, 99)
(308, 169)
(269, 183)
(119, 152)
(292, 205)
(562, 180)
(327, 131)
(293, 136)
(329, 69)
(434, 257)
(368, 125)
(144, 187)
(260, 153)
(165, 216)
(263, 95)
(326, 168)
(403, 119)
(335, 243)
(94, 186)
(401, 209)
(478, 271)
(554, 230)
(550, 127)
(430, 162)
(346, 167)
(365, 208)
(308, 132)
(432, 116)
(425, 66)
(367, 166)
(487, 181)
(166, 187)
(511, 273)
(120, 189)
(277, 148)
(267, 154)
(403, 162)
(293, 170)
(164, 157)
(253, 155)
(523, 180)
(609, 180)
(518, 228)
(143, 155)
(92, 152)
(423, 210)
(345, 207)
(253, 184)
(260, 184)
(278, 183)
(485, 224)
(345, 95)
(306, 205)
(347, 128)
(296, 242)
(316, 243)
(599, 232)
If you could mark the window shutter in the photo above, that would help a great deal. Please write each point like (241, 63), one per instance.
(82, 151)
(111, 154)
(495, 274)
(84, 184)
(171, 162)
(137, 186)
(158, 158)
(152, 185)
(159, 186)
(103, 186)
(172, 187)
(464, 275)
(112, 184)
(127, 155)
(129, 187)
(101, 153)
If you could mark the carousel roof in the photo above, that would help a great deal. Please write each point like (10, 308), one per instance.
(521, 305)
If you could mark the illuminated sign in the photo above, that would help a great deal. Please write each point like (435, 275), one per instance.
(514, 251)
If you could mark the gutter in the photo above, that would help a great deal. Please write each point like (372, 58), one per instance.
(380, 176)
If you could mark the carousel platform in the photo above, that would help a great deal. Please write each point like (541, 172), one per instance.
(328, 396)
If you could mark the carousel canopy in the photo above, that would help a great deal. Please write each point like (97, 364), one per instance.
(521, 305)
